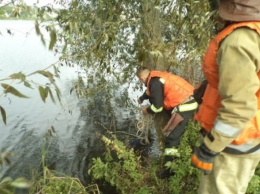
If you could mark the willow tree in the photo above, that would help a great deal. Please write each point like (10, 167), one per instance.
(111, 38)
(116, 36)
(182, 31)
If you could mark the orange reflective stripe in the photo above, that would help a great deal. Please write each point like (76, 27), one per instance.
(200, 164)
(251, 131)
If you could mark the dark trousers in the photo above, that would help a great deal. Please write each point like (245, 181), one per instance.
(174, 139)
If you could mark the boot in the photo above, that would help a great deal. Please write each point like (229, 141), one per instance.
(165, 173)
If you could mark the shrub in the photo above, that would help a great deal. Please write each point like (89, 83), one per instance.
(130, 173)
(52, 183)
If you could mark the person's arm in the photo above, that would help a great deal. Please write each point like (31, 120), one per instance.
(156, 96)
(143, 97)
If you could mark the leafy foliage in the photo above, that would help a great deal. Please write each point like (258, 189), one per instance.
(109, 39)
(44, 90)
(12, 90)
(254, 184)
(16, 10)
(186, 179)
(116, 37)
(52, 183)
(7, 184)
(46, 181)
(129, 172)
(123, 169)
(3, 113)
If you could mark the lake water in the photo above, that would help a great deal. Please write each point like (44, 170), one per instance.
(29, 120)
(23, 52)
(73, 143)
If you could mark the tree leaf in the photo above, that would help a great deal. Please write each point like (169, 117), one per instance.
(56, 71)
(53, 37)
(43, 93)
(43, 40)
(27, 84)
(58, 94)
(37, 28)
(19, 75)
(46, 74)
(51, 95)
(20, 183)
(12, 90)
(3, 114)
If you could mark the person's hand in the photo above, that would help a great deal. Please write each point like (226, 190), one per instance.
(139, 101)
(144, 111)
(203, 158)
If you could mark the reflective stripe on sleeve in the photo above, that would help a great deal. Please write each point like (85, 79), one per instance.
(187, 107)
(200, 164)
(226, 129)
(156, 110)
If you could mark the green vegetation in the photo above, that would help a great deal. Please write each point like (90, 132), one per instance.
(129, 172)
(8, 185)
(51, 182)
(21, 12)
(125, 170)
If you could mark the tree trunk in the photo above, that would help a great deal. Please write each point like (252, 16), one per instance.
(151, 52)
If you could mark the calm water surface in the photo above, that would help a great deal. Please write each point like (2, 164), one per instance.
(24, 52)
(74, 143)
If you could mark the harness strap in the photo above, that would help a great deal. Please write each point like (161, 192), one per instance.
(229, 150)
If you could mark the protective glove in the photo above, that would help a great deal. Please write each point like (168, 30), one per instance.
(203, 158)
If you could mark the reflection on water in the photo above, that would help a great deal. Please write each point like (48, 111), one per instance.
(28, 120)
(75, 122)
(23, 52)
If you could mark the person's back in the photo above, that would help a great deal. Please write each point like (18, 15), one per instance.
(176, 89)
